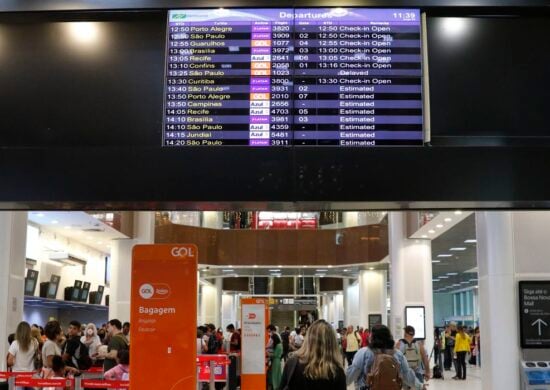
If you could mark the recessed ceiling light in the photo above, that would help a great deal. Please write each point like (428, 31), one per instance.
(321, 276)
(458, 212)
(229, 266)
(280, 266)
(424, 236)
(274, 270)
(460, 248)
(464, 282)
(448, 219)
(235, 276)
(227, 270)
(439, 226)
(470, 241)
(444, 255)
(435, 280)
(346, 270)
(431, 231)
(54, 222)
(436, 261)
(279, 275)
(255, 266)
(330, 266)
(443, 277)
(371, 268)
(304, 266)
(40, 215)
(452, 273)
(321, 270)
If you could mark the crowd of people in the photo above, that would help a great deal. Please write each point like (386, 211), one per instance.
(52, 352)
(315, 356)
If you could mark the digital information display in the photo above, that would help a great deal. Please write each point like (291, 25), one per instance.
(283, 77)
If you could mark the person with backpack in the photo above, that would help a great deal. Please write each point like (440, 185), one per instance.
(317, 365)
(415, 353)
(75, 353)
(380, 366)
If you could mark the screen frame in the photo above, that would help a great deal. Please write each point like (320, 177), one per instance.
(412, 309)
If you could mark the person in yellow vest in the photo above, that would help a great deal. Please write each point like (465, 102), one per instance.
(462, 347)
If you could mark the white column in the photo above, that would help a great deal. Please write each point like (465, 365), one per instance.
(511, 246)
(411, 276)
(345, 300)
(121, 264)
(219, 290)
(13, 234)
(372, 296)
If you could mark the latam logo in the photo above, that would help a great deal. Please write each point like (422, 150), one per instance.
(251, 316)
(154, 291)
(183, 251)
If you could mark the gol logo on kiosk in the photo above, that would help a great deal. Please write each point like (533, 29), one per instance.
(154, 291)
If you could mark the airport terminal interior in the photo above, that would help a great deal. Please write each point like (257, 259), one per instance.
(426, 269)
(220, 194)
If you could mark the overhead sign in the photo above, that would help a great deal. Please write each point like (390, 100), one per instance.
(534, 306)
(164, 316)
(255, 317)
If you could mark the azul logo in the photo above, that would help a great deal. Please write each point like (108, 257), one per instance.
(154, 291)
(183, 252)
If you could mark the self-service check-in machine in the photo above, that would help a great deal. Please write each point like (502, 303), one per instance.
(534, 315)
(535, 375)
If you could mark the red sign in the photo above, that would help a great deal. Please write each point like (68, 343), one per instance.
(37, 382)
(220, 367)
(100, 384)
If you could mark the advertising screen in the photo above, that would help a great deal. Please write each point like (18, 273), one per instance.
(415, 317)
(283, 77)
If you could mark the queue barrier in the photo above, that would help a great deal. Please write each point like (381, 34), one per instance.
(27, 379)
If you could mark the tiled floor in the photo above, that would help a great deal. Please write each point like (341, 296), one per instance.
(472, 382)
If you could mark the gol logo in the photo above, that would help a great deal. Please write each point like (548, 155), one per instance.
(154, 291)
(251, 316)
(183, 252)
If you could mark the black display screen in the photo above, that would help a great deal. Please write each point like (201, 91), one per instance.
(282, 77)
(489, 79)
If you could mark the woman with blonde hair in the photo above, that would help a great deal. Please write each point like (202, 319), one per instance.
(317, 365)
(23, 349)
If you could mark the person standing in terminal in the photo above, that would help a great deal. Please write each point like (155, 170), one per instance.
(462, 347)
(415, 353)
(91, 340)
(51, 347)
(449, 347)
(365, 372)
(353, 341)
(274, 372)
(23, 350)
(285, 339)
(317, 365)
(117, 343)
(126, 331)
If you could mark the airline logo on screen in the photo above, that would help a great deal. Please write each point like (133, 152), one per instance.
(154, 291)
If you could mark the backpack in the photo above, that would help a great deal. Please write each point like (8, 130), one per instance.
(437, 373)
(412, 354)
(384, 373)
(82, 357)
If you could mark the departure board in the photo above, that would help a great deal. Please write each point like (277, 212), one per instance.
(303, 77)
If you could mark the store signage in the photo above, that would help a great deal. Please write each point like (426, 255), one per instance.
(255, 318)
(534, 313)
(163, 316)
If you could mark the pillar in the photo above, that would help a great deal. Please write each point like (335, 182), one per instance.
(511, 246)
(121, 264)
(411, 277)
(219, 308)
(13, 235)
(372, 296)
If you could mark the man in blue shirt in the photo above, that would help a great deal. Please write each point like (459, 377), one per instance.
(381, 341)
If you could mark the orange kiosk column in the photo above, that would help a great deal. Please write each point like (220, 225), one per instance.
(164, 317)
(254, 320)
